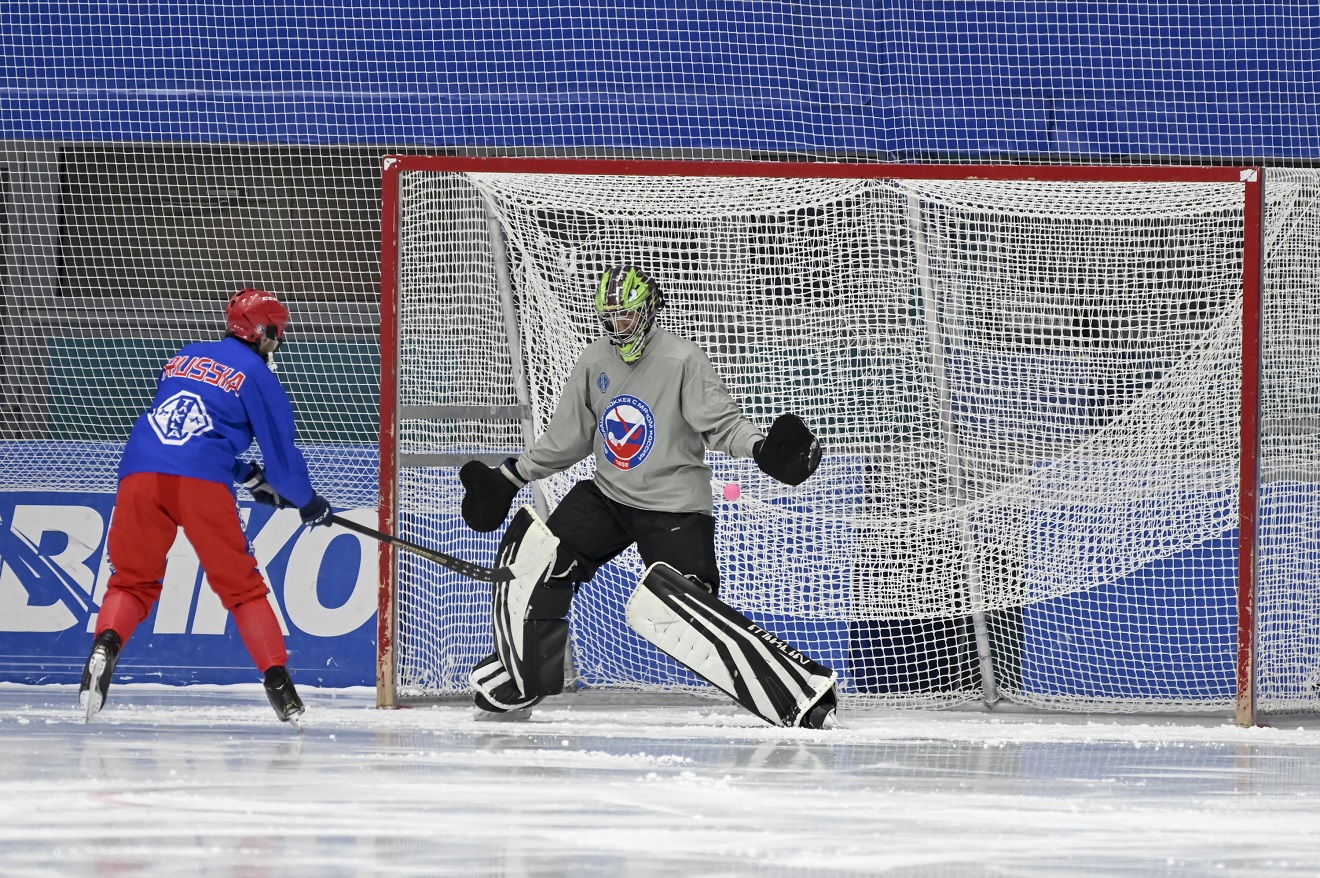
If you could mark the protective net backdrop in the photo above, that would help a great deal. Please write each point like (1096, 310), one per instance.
(905, 80)
(155, 158)
(119, 255)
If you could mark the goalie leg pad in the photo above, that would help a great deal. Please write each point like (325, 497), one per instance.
(546, 641)
(722, 646)
(494, 687)
(528, 613)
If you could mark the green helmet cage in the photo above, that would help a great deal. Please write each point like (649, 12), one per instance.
(626, 291)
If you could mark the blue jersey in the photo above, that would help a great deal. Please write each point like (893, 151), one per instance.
(213, 399)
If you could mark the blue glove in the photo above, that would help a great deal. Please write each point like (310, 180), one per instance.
(317, 511)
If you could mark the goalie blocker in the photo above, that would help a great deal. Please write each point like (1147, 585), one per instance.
(749, 664)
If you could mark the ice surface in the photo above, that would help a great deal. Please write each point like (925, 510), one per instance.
(204, 781)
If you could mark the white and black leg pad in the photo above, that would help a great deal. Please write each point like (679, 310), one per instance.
(527, 640)
(495, 689)
(722, 646)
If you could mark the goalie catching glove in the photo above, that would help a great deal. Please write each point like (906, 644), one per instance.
(789, 452)
(488, 492)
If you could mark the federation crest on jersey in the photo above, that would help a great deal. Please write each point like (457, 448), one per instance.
(180, 418)
(628, 428)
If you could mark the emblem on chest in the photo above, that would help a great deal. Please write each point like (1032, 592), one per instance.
(628, 430)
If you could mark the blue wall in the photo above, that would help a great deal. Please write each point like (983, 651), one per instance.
(901, 78)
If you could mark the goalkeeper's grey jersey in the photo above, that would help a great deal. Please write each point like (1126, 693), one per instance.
(648, 424)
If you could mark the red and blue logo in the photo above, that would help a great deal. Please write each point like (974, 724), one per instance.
(628, 428)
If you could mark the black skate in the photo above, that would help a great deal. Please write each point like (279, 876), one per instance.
(489, 711)
(97, 672)
(822, 714)
(283, 697)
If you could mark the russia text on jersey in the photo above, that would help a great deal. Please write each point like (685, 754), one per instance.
(204, 369)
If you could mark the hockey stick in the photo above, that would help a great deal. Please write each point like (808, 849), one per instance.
(458, 565)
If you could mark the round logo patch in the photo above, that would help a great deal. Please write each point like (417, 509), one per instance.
(628, 428)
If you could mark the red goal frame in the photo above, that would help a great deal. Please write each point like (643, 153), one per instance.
(1252, 179)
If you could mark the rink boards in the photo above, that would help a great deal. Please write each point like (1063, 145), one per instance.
(54, 571)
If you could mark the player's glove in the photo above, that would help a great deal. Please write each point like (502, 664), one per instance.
(488, 492)
(261, 490)
(789, 452)
(317, 511)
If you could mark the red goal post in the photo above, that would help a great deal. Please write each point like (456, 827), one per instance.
(485, 273)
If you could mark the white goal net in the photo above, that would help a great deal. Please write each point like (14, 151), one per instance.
(1029, 393)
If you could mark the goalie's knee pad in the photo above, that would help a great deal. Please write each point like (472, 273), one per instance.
(722, 646)
(529, 611)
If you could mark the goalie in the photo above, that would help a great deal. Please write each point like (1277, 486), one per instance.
(647, 404)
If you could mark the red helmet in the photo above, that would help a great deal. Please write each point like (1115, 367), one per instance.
(256, 314)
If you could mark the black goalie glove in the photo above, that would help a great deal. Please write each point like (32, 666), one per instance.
(488, 492)
(260, 489)
(789, 452)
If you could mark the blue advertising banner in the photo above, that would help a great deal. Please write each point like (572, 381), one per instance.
(54, 572)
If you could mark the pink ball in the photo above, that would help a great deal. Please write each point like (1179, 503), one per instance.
(732, 491)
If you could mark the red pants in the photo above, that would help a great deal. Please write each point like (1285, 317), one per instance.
(149, 510)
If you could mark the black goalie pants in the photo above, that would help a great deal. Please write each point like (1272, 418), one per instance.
(595, 529)
(592, 530)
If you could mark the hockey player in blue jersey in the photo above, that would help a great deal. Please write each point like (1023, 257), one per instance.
(179, 469)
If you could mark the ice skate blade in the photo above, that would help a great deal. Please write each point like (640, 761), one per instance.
(91, 698)
(91, 704)
(291, 714)
(521, 714)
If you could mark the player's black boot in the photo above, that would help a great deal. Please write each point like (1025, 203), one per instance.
(97, 672)
(283, 697)
(488, 711)
(822, 714)
(496, 696)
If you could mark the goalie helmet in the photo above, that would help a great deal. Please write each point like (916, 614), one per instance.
(253, 315)
(627, 300)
